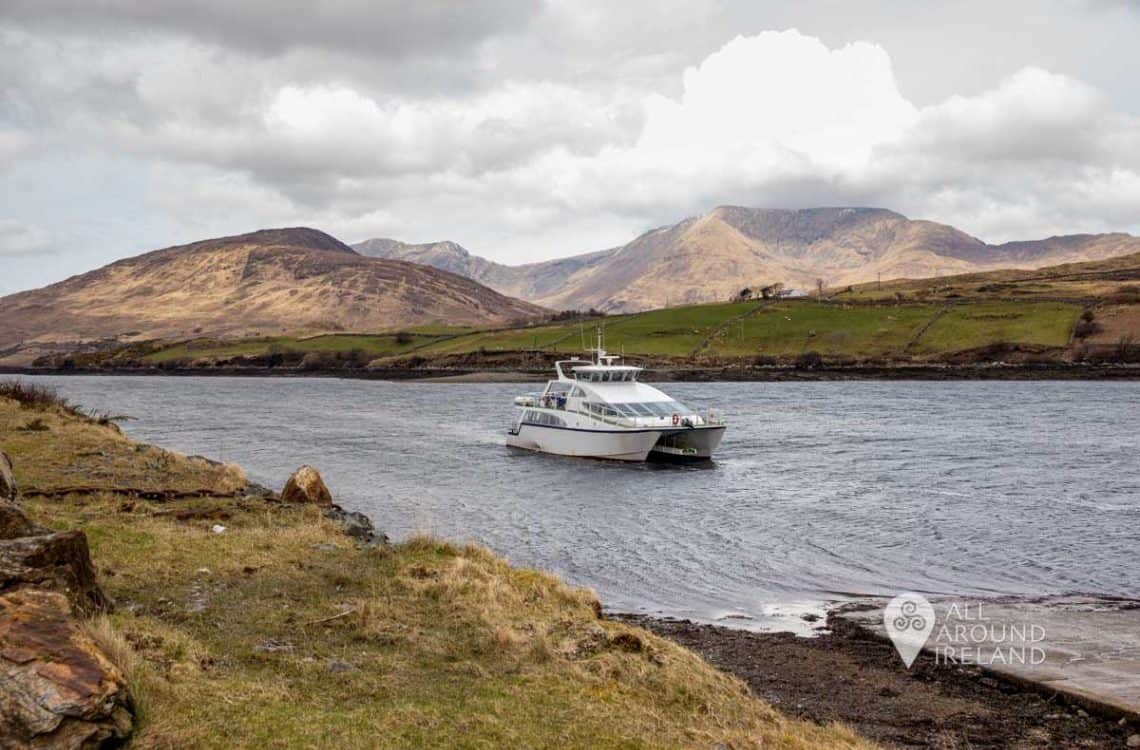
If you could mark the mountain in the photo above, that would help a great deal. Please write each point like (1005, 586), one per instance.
(266, 282)
(712, 257)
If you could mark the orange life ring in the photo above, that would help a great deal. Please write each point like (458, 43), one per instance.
(676, 419)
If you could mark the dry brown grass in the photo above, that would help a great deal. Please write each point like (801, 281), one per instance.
(57, 448)
(280, 632)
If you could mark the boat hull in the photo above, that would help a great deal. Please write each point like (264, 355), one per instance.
(691, 444)
(616, 445)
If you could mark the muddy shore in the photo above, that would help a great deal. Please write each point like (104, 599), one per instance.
(852, 676)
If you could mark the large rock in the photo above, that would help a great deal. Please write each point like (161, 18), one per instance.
(57, 687)
(306, 486)
(7, 479)
(60, 562)
(14, 523)
(358, 526)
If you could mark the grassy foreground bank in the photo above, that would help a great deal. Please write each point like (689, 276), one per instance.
(281, 632)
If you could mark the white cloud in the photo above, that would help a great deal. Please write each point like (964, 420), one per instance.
(569, 134)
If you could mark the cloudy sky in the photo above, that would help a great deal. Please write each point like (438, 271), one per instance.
(527, 130)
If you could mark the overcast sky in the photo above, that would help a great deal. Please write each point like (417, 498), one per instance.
(527, 130)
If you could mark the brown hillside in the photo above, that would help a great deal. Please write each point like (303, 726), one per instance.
(270, 281)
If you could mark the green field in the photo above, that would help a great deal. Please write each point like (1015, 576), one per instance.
(674, 331)
(783, 330)
(789, 328)
(985, 323)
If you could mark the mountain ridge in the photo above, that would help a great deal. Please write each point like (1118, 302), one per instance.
(712, 256)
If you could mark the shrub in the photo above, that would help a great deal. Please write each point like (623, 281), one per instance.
(403, 338)
(1126, 350)
(561, 315)
(809, 361)
(317, 361)
(36, 425)
(1085, 328)
(33, 395)
(355, 358)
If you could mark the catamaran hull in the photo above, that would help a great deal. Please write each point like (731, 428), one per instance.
(616, 445)
(691, 444)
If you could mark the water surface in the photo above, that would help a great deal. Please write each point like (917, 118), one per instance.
(820, 490)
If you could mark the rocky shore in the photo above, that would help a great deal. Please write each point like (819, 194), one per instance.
(853, 676)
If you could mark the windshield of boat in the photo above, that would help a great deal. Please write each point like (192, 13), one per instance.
(606, 376)
(641, 409)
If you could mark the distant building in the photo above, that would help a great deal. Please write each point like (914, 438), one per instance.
(793, 293)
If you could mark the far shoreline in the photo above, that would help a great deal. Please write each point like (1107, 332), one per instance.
(768, 373)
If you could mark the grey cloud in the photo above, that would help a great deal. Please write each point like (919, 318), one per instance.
(380, 28)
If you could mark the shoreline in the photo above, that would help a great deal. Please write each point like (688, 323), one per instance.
(851, 675)
(995, 371)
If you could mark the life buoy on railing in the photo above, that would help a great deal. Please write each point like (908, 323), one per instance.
(676, 418)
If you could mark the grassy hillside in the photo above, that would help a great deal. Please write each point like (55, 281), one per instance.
(281, 632)
(780, 331)
(1074, 312)
(1095, 282)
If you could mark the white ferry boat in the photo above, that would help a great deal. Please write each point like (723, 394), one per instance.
(601, 410)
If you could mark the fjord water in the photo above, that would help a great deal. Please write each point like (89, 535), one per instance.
(820, 490)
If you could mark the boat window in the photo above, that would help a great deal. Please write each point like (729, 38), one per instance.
(558, 387)
(577, 393)
(604, 410)
(666, 408)
(544, 418)
(642, 410)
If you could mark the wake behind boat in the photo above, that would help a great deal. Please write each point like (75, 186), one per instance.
(601, 410)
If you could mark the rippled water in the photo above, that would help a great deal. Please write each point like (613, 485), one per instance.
(820, 490)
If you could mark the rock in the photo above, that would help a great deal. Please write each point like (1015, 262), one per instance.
(218, 529)
(60, 562)
(1133, 740)
(257, 491)
(57, 687)
(358, 526)
(14, 523)
(339, 667)
(306, 486)
(7, 479)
